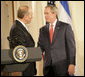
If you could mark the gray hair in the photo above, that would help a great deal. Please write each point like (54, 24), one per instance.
(23, 10)
(54, 9)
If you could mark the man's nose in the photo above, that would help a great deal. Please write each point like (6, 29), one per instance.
(31, 16)
(45, 15)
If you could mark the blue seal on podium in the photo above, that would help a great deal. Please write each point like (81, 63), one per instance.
(20, 53)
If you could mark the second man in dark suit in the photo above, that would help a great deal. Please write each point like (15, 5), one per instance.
(56, 39)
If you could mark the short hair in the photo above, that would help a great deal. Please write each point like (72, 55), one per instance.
(23, 10)
(53, 9)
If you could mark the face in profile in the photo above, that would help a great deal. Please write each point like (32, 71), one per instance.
(28, 17)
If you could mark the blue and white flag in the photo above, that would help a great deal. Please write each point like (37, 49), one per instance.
(64, 12)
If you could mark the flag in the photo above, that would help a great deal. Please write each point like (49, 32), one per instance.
(51, 3)
(64, 12)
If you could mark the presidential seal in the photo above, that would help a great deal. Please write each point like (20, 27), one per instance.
(20, 53)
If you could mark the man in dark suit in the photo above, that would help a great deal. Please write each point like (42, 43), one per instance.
(19, 35)
(56, 39)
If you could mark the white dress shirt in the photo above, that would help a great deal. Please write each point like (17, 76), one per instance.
(54, 24)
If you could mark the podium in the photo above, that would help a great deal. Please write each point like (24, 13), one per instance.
(11, 65)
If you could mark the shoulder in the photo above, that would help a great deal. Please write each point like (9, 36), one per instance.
(64, 24)
(43, 28)
(16, 26)
(67, 27)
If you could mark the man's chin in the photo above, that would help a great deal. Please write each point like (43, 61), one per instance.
(28, 22)
(47, 21)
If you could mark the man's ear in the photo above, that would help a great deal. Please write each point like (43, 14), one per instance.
(24, 17)
(54, 14)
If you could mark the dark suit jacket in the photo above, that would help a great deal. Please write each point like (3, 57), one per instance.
(61, 52)
(20, 36)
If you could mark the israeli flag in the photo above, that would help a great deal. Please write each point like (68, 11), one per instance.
(64, 12)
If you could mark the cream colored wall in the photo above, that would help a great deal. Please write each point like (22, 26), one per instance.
(6, 22)
(77, 13)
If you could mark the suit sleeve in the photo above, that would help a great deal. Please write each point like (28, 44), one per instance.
(70, 45)
(40, 40)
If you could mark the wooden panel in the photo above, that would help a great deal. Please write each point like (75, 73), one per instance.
(6, 24)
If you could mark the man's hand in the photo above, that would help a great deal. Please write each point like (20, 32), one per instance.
(71, 69)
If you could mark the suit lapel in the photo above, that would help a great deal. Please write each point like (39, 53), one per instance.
(47, 32)
(57, 28)
(20, 26)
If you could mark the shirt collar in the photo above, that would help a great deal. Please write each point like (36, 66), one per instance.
(54, 22)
